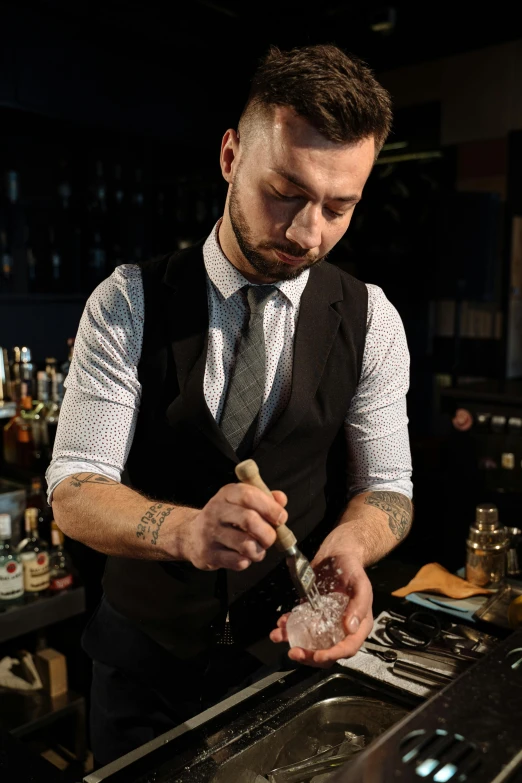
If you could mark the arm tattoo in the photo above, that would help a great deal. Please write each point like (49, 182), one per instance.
(90, 478)
(151, 522)
(397, 507)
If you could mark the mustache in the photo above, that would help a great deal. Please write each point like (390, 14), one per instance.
(289, 250)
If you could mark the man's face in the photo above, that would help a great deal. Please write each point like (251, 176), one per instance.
(292, 195)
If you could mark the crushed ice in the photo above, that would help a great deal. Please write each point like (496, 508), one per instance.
(321, 628)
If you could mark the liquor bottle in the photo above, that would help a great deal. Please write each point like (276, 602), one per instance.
(43, 386)
(53, 412)
(61, 572)
(36, 499)
(15, 446)
(50, 369)
(34, 555)
(11, 571)
(35, 418)
(25, 451)
(23, 371)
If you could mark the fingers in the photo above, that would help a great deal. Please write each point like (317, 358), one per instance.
(226, 558)
(307, 657)
(250, 522)
(280, 497)
(360, 602)
(279, 634)
(240, 542)
(253, 498)
(349, 645)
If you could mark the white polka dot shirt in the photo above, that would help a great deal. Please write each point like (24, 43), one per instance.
(101, 404)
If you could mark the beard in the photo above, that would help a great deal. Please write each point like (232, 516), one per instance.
(269, 268)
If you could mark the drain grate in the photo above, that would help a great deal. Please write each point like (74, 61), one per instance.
(440, 756)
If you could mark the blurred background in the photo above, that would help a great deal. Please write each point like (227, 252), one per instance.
(111, 118)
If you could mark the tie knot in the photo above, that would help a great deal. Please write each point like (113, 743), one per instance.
(258, 296)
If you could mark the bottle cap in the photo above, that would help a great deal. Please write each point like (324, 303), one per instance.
(486, 516)
(25, 354)
(5, 526)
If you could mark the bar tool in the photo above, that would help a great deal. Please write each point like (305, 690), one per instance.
(487, 547)
(513, 563)
(301, 571)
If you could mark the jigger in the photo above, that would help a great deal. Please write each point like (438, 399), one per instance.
(301, 571)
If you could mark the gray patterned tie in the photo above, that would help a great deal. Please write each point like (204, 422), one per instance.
(247, 382)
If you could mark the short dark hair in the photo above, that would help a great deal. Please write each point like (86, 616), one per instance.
(337, 93)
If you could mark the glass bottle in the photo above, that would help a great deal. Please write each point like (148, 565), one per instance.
(27, 370)
(61, 574)
(18, 446)
(24, 433)
(36, 498)
(11, 571)
(34, 555)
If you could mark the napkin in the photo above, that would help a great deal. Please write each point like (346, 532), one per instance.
(434, 578)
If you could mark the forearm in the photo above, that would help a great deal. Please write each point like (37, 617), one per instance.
(372, 524)
(116, 520)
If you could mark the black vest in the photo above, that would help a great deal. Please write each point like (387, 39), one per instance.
(179, 454)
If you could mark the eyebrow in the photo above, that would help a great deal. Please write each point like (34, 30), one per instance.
(297, 182)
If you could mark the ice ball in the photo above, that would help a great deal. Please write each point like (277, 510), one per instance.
(321, 628)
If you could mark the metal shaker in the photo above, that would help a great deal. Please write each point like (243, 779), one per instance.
(487, 547)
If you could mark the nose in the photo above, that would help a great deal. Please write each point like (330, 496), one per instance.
(305, 229)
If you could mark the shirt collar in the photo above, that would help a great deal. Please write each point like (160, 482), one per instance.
(228, 280)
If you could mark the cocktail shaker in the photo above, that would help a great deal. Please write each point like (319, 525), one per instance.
(487, 547)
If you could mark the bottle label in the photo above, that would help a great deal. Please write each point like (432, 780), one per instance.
(61, 583)
(11, 581)
(36, 572)
(5, 526)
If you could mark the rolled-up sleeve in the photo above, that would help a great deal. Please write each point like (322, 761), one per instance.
(98, 415)
(376, 426)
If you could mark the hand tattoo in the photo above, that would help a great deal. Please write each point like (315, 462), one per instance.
(90, 478)
(398, 508)
(152, 521)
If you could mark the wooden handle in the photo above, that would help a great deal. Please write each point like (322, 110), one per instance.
(248, 473)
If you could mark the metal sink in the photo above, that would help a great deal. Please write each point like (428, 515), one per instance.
(299, 736)
(285, 720)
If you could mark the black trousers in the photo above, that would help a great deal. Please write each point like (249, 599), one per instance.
(140, 691)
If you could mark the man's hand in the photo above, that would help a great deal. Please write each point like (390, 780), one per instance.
(343, 573)
(234, 529)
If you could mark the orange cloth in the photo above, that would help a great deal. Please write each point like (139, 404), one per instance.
(433, 578)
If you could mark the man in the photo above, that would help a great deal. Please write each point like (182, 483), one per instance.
(246, 345)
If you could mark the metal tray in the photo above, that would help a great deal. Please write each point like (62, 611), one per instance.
(322, 723)
(495, 610)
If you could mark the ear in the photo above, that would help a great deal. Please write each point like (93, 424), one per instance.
(229, 154)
